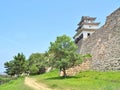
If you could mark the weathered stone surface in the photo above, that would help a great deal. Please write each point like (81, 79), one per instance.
(76, 69)
(104, 44)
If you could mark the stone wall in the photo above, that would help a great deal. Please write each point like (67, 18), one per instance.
(104, 45)
(76, 69)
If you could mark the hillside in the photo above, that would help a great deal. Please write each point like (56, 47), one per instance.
(89, 80)
(17, 84)
(104, 44)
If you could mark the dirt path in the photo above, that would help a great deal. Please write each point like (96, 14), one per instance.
(33, 84)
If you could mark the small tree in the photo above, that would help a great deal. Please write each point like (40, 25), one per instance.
(63, 53)
(37, 61)
(16, 66)
(20, 63)
(10, 68)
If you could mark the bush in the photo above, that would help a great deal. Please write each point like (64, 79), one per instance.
(34, 70)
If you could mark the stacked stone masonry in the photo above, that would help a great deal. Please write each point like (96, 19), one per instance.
(104, 45)
(82, 67)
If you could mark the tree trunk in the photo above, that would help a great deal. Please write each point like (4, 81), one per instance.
(61, 71)
(64, 72)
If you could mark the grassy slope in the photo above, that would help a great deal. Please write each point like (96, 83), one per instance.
(17, 84)
(90, 80)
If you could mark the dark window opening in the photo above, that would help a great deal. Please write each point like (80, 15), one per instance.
(79, 38)
(88, 34)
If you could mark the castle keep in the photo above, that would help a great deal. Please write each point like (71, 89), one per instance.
(86, 27)
(103, 44)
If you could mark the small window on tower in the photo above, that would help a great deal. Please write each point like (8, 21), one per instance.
(88, 34)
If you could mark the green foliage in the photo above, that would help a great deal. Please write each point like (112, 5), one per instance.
(17, 84)
(89, 80)
(87, 56)
(37, 63)
(62, 53)
(19, 61)
(10, 67)
(34, 69)
(16, 66)
(4, 79)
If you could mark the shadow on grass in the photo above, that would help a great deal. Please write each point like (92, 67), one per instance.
(60, 78)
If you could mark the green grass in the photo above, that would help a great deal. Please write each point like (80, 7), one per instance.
(89, 80)
(17, 84)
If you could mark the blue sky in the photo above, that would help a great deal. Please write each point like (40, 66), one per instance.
(29, 26)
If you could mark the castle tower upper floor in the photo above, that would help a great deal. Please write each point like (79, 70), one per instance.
(86, 27)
